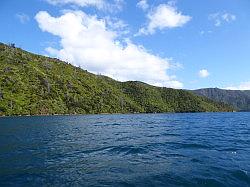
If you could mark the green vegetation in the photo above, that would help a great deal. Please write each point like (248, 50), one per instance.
(36, 85)
(239, 99)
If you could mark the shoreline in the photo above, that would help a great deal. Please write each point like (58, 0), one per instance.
(48, 115)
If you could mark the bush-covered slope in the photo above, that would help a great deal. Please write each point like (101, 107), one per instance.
(240, 99)
(32, 84)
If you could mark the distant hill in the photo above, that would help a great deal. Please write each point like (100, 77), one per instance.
(237, 98)
(32, 84)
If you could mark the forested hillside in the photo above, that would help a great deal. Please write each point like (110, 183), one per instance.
(239, 99)
(36, 85)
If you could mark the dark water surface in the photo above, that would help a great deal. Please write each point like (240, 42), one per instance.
(203, 149)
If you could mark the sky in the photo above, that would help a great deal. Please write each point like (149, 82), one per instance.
(186, 44)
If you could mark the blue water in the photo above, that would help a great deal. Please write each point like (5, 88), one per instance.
(203, 149)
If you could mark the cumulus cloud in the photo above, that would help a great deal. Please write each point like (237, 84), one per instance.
(143, 4)
(203, 73)
(100, 4)
(164, 16)
(23, 18)
(220, 18)
(87, 42)
(242, 86)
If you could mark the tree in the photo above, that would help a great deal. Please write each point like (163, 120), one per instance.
(12, 45)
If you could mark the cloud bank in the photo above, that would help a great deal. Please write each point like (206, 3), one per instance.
(87, 42)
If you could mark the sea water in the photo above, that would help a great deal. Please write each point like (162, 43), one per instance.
(198, 149)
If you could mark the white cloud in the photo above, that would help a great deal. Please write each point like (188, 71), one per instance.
(87, 42)
(203, 73)
(162, 17)
(23, 18)
(228, 17)
(202, 32)
(100, 4)
(242, 86)
(82, 3)
(143, 4)
(220, 18)
(113, 23)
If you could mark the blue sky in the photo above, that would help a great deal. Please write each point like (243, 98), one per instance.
(182, 44)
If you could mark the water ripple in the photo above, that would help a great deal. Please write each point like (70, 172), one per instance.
(205, 149)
